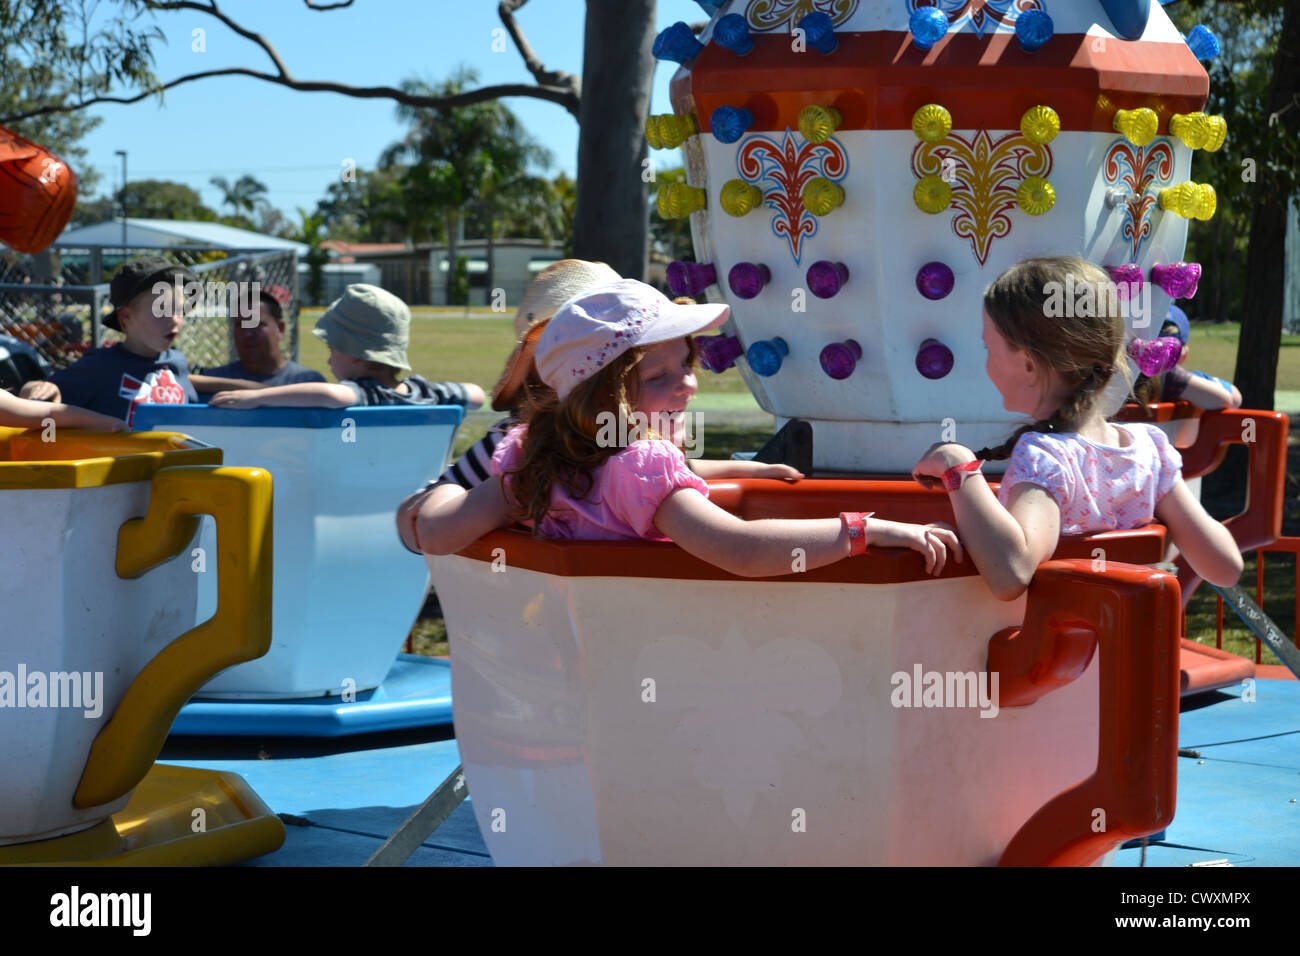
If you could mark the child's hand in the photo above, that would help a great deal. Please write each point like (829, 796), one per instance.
(784, 472)
(937, 459)
(40, 391)
(248, 399)
(932, 540)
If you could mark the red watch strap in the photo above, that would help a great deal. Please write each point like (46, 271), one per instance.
(856, 523)
(952, 478)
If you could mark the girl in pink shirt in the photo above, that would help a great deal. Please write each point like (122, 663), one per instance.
(597, 459)
(1071, 471)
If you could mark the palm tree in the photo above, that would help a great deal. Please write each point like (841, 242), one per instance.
(471, 159)
(309, 232)
(246, 194)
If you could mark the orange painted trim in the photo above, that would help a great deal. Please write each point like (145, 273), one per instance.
(1157, 413)
(759, 498)
(878, 80)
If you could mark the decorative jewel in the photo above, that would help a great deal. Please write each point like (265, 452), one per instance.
(765, 357)
(679, 200)
(932, 195)
(821, 196)
(729, 123)
(817, 124)
(931, 123)
(826, 278)
(1036, 196)
(668, 130)
(747, 279)
(1203, 43)
(1139, 126)
(718, 352)
(1199, 131)
(690, 278)
(1033, 29)
(934, 359)
(676, 43)
(934, 280)
(1040, 124)
(732, 33)
(839, 359)
(1158, 357)
(1178, 280)
(1128, 279)
(928, 26)
(820, 32)
(739, 197)
(1190, 200)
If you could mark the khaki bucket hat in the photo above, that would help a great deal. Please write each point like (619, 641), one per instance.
(550, 289)
(367, 322)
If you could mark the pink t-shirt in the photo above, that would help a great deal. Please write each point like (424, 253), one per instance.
(626, 490)
(1097, 487)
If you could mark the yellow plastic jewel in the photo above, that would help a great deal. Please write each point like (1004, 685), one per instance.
(1199, 131)
(678, 200)
(668, 130)
(1036, 195)
(1218, 133)
(931, 123)
(1040, 124)
(821, 195)
(818, 123)
(1139, 126)
(1190, 200)
(932, 195)
(739, 197)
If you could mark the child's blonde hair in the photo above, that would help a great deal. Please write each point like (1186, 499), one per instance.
(1084, 350)
(561, 445)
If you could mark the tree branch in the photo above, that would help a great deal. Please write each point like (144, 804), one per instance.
(557, 78)
(562, 97)
(328, 6)
(210, 8)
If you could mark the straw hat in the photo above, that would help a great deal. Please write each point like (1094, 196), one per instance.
(552, 287)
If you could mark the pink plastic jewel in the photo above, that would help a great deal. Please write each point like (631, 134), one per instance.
(1158, 357)
(1177, 279)
(1128, 279)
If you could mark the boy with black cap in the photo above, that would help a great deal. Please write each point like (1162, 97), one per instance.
(143, 368)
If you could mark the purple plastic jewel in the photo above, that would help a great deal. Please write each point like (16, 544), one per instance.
(1128, 279)
(690, 278)
(677, 43)
(1158, 357)
(839, 359)
(747, 279)
(718, 352)
(1177, 279)
(934, 280)
(732, 33)
(933, 359)
(826, 278)
(765, 357)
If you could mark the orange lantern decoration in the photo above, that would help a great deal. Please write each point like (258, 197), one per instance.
(37, 194)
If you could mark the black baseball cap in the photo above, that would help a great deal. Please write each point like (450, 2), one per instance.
(138, 275)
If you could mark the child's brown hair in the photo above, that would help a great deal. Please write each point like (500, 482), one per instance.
(560, 446)
(1084, 350)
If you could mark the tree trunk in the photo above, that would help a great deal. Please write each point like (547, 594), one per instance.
(612, 218)
(1262, 304)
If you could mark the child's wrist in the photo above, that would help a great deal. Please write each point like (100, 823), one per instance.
(954, 477)
(855, 523)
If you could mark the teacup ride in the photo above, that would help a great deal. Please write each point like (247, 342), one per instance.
(101, 649)
(624, 703)
(346, 591)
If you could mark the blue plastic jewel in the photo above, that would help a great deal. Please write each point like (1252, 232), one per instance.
(1033, 29)
(732, 33)
(765, 357)
(1203, 43)
(928, 26)
(677, 43)
(820, 31)
(729, 123)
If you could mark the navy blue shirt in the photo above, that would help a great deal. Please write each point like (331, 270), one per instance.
(421, 392)
(291, 374)
(114, 380)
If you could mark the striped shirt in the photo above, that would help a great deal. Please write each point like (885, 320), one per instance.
(472, 468)
(422, 392)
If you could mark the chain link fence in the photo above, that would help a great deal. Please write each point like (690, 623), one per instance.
(56, 301)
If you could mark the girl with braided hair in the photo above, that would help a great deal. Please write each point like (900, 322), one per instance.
(1070, 471)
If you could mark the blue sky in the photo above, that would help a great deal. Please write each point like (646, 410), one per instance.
(296, 142)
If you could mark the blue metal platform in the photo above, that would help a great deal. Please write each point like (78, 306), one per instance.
(1237, 802)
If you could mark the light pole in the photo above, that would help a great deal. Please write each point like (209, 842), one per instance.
(122, 153)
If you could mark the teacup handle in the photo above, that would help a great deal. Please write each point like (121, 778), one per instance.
(240, 501)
